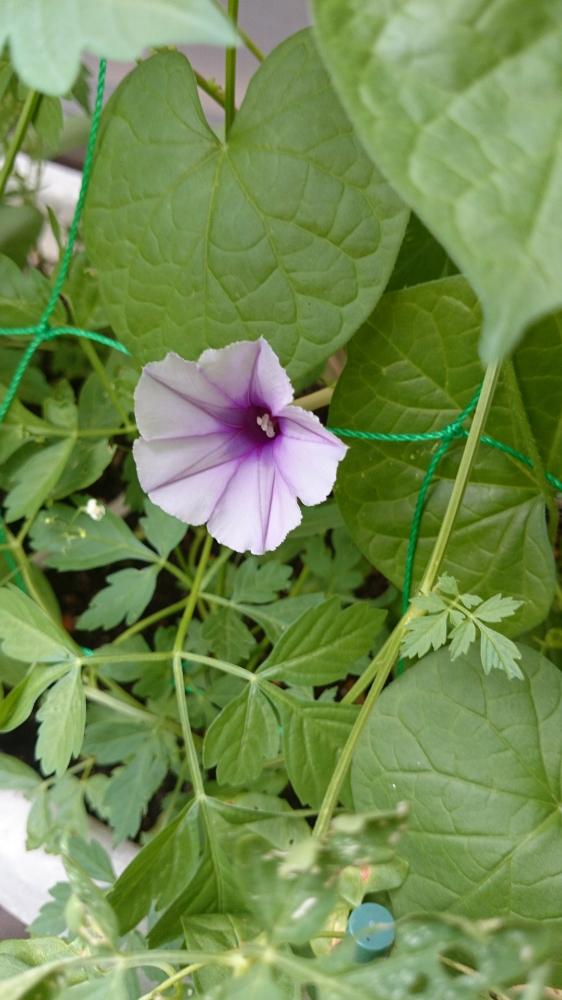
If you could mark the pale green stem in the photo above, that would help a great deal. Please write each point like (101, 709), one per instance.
(124, 708)
(230, 75)
(158, 991)
(179, 680)
(433, 567)
(26, 117)
(144, 623)
(251, 45)
(211, 88)
(382, 664)
(316, 400)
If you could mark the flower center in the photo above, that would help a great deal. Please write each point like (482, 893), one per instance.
(266, 424)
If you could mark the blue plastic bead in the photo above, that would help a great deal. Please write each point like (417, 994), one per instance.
(370, 944)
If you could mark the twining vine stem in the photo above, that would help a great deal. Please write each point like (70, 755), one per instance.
(179, 680)
(230, 75)
(382, 664)
(30, 106)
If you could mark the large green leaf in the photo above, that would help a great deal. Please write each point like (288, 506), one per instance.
(23, 295)
(28, 634)
(412, 369)
(479, 760)
(70, 539)
(286, 231)
(47, 40)
(323, 643)
(462, 112)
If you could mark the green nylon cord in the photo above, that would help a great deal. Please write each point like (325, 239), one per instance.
(43, 332)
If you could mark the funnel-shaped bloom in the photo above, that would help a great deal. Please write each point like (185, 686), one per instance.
(220, 444)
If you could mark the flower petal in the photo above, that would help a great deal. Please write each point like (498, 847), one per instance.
(257, 508)
(250, 373)
(307, 455)
(186, 476)
(173, 398)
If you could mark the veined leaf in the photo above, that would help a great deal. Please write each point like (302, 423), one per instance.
(131, 787)
(46, 41)
(498, 652)
(423, 634)
(36, 478)
(28, 634)
(300, 232)
(462, 113)
(160, 870)
(479, 760)
(413, 368)
(70, 539)
(260, 584)
(325, 640)
(17, 706)
(162, 531)
(228, 636)
(126, 596)
(242, 738)
(15, 774)
(62, 718)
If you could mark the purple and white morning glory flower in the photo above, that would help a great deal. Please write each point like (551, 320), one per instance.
(222, 445)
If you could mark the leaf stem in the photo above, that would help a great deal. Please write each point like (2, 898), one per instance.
(124, 708)
(92, 356)
(316, 400)
(210, 87)
(382, 664)
(26, 116)
(179, 679)
(230, 75)
(251, 45)
(483, 407)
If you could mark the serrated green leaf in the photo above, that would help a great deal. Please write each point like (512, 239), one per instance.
(461, 114)
(462, 636)
(423, 634)
(227, 635)
(429, 602)
(51, 918)
(17, 706)
(496, 608)
(470, 600)
(300, 232)
(323, 642)
(162, 531)
(85, 464)
(23, 295)
(69, 539)
(484, 791)
(27, 633)
(498, 652)
(35, 479)
(242, 738)
(421, 345)
(216, 932)
(213, 888)
(62, 718)
(161, 869)
(276, 618)
(313, 737)
(126, 596)
(260, 584)
(111, 742)
(131, 787)
(91, 857)
(46, 43)
(14, 774)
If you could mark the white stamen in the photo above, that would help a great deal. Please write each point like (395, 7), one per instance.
(94, 509)
(266, 424)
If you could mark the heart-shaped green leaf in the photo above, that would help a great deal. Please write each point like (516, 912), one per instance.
(479, 760)
(460, 105)
(285, 231)
(47, 39)
(412, 369)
